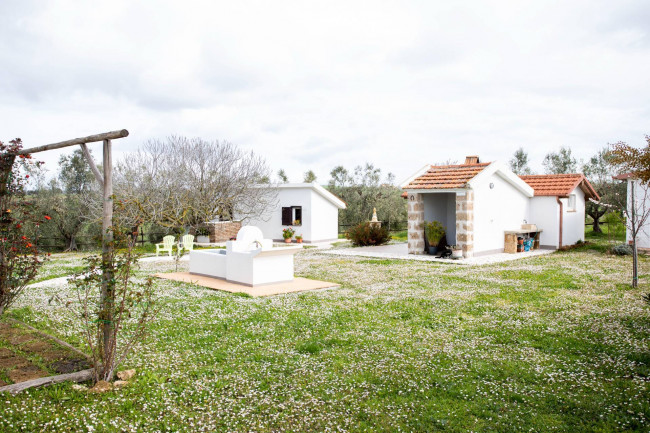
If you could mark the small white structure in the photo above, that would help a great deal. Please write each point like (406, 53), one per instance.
(250, 260)
(641, 200)
(308, 208)
(478, 202)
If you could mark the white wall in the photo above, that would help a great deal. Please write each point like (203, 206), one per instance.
(642, 198)
(441, 207)
(319, 216)
(271, 222)
(324, 217)
(545, 213)
(573, 221)
(497, 209)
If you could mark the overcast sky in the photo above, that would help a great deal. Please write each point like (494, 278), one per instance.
(311, 85)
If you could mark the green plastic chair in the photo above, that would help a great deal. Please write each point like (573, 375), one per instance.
(188, 242)
(167, 245)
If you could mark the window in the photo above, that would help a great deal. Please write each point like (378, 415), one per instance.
(292, 216)
(572, 203)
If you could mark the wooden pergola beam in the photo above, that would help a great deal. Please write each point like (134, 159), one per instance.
(81, 140)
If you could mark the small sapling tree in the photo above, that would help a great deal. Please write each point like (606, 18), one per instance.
(637, 208)
(127, 314)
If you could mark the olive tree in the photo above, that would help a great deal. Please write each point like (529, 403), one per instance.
(599, 170)
(67, 198)
(364, 189)
(561, 162)
(519, 162)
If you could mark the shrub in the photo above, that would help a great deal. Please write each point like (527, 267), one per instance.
(434, 231)
(365, 234)
(622, 250)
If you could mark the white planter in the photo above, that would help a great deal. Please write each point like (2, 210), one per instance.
(456, 254)
(203, 239)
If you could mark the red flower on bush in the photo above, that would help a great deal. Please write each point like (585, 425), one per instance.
(47, 217)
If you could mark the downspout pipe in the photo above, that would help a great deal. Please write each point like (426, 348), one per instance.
(561, 219)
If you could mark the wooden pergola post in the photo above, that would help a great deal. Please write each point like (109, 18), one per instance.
(108, 283)
(106, 182)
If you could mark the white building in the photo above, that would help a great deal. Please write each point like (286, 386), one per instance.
(477, 202)
(641, 201)
(308, 208)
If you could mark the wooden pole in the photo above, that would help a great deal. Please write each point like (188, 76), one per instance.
(91, 163)
(82, 140)
(80, 376)
(107, 295)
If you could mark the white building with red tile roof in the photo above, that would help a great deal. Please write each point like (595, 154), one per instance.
(477, 202)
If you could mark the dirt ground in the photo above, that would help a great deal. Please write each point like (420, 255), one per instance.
(26, 355)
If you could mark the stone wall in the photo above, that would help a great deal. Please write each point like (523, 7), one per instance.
(465, 222)
(415, 223)
(223, 230)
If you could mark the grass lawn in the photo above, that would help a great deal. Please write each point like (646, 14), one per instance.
(554, 343)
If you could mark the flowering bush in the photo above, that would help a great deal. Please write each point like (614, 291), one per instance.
(19, 255)
(365, 234)
(288, 233)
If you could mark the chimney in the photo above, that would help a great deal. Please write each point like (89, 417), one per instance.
(471, 160)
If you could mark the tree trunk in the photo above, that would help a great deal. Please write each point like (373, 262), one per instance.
(635, 265)
(596, 226)
(72, 244)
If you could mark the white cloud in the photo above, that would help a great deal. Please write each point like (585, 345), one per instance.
(311, 86)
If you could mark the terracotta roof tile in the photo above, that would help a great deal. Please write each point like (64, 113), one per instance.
(447, 176)
(559, 184)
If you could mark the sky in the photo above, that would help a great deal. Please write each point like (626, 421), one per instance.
(312, 85)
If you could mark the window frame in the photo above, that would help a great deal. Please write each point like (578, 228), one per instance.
(295, 211)
(572, 203)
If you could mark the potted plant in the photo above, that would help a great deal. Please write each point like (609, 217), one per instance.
(202, 235)
(287, 234)
(456, 252)
(434, 232)
(299, 239)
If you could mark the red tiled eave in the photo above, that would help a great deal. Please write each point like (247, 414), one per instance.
(559, 184)
(447, 176)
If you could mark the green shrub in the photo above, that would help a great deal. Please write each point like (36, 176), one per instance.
(622, 250)
(435, 231)
(365, 235)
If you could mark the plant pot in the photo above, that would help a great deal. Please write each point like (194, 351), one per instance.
(456, 254)
(287, 240)
(203, 239)
(433, 250)
(299, 241)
